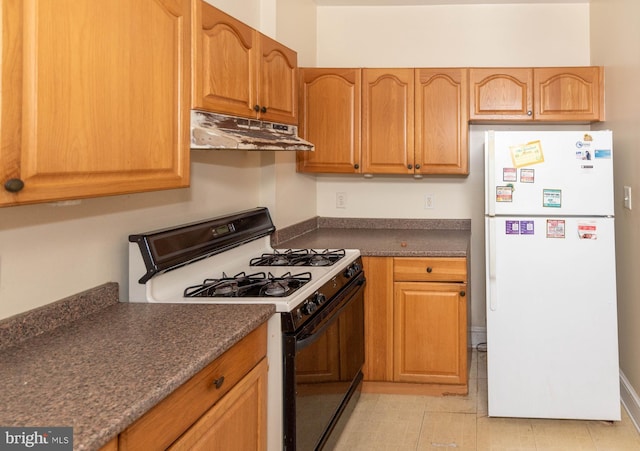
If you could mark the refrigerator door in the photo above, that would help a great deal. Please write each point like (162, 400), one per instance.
(552, 348)
(549, 173)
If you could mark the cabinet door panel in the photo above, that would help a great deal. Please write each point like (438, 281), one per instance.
(278, 90)
(330, 119)
(387, 121)
(501, 93)
(430, 336)
(105, 105)
(378, 319)
(442, 127)
(225, 63)
(237, 422)
(569, 94)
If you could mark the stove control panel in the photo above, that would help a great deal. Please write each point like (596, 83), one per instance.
(324, 295)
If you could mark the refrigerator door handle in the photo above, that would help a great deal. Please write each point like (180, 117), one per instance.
(490, 173)
(493, 299)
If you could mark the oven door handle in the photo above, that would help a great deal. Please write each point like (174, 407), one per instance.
(319, 329)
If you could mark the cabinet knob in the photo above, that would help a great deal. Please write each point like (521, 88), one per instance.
(14, 185)
(256, 108)
(356, 166)
(263, 109)
(218, 382)
(417, 166)
(462, 293)
(429, 269)
(529, 113)
(409, 166)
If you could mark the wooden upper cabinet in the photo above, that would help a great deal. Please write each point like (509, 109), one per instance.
(95, 98)
(330, 119)
(544, 94)
(441, 121)
(278, 83)
(239, 71)
(387, 121)
(501, 93)
(569, 93)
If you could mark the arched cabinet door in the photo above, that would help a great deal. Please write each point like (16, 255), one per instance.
(568, 93)
(501, 94)
(97, 98)
(441, 121)
(330, 119)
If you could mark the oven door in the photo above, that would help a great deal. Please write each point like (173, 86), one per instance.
(323, 368)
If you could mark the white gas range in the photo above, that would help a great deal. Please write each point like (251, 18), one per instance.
(229, 260)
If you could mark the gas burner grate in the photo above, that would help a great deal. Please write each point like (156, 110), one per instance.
(299, 257)
(253, 285)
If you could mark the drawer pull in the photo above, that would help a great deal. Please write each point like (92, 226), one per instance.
(429, 269)
(218, 382)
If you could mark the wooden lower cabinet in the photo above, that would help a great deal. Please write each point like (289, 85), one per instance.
(416, 325)
(238, 421)
(222, 407)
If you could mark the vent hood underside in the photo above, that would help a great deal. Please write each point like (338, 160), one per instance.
(221, 132)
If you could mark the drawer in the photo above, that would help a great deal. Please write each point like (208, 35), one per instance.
(165, 422)
(436, 269)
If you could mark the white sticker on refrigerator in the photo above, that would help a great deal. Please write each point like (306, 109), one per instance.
(504, 193)
(587, 230)
(527, 175)
(552, 198)
(509, 175)
(555, 228)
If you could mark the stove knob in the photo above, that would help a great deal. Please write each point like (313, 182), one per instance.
(309, 307)
(351, 270)
(319, 298)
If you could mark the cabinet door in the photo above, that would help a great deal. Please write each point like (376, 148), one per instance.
(568, 93)
(387, 121)
(278, 88)
(225, 63)
(237, 422)
(430, 336)
(442, 122)
(96, 97)
(378, 319)
(330, 119)
(501, 93)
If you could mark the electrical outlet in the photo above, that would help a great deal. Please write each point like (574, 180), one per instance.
(341, 200)
(627, 197)
(429, 201)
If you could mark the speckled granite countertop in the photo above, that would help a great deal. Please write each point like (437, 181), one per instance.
(100, 372)
(381, 237)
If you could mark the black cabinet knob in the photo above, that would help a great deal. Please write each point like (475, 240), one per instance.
(417, 166)
(429, 269)
(14, 185)
(263, 109)
(410, 166)
(256, 108)
(218, 382)
(356, 166)
(462, 293)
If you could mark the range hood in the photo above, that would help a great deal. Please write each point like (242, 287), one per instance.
(222, 132)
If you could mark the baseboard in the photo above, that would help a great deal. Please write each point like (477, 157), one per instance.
(630, 400)
(478, 335)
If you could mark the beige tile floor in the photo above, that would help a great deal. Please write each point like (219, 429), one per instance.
(402, 422)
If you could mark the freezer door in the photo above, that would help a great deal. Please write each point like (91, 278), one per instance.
(549, 173)
(551, 318)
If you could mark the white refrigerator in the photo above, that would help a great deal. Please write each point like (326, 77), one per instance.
(552, 340)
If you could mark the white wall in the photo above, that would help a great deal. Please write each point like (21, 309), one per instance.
(615, 44)
(441, 36)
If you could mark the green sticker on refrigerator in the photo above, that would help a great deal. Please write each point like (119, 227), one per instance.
(552, 198)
